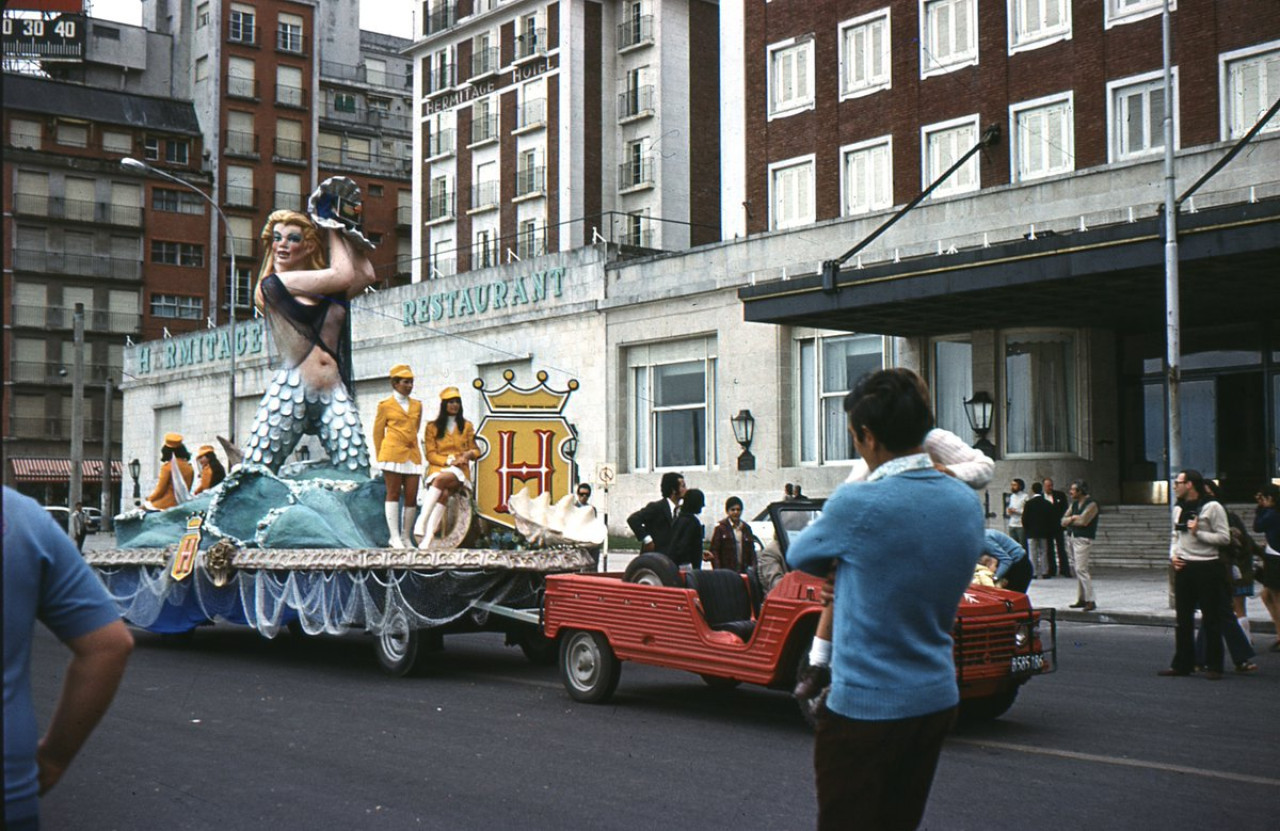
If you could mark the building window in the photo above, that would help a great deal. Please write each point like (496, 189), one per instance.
(948, 35)
(176, 201)
(1135, 113)
(637, 169)
(790, 77)
(636, 97)
(637, 230)
(529, 174)
(672, 394)
(864, 54)
(791, 200)
(828, 369)
(241, 28)
(24, 134)
(1117, 12)
(202, 69)
(289, 33)
(1040, 387)
(288, 191)
(289, 89)
(440, 202)
(375, 71)
(202, 15)
(867, 176)
(442, 265)
(952, 384)
(484, 122)
(1044, 143)
(344, 102)
(485, 252)
(177, 253)
(1034, 23)
(177, 306)
(115, 142)
(1251, 82)
(529, 243)
(241, 74)
(71, 135)
(176, 151)
(636, 26)
(244, 288)
(151, 149)
(943, 145)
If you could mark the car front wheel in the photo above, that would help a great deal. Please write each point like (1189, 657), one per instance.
(588, 667)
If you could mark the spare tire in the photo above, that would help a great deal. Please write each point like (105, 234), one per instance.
(652, 569)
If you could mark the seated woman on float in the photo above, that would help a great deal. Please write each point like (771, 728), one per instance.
(450, 445)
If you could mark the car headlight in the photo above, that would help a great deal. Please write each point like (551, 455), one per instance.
(1025, 635)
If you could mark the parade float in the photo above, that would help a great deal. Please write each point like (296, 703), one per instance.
(305, 548)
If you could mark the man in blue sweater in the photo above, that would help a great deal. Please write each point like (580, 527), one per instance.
(903, 544)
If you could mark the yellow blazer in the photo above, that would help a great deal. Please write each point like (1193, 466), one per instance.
(206, 480)
(162, 497)
(395, 432)
(453, 444)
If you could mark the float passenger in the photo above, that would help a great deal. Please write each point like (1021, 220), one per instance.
(176, 475)
(211, 470)
(395, 441)
(450, 445)
(307, 305)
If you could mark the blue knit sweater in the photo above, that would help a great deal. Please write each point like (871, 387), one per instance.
(905, 547)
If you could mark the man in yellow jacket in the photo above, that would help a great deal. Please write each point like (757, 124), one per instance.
(395, 441)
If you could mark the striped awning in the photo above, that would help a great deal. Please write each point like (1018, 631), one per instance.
(59, 470)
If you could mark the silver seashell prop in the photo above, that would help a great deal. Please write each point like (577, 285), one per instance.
(337, 204)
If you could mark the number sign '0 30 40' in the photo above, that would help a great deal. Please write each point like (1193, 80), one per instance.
(57, 38)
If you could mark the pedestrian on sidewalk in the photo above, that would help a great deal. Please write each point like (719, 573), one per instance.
(79, 525)
(1040, 524)
(1059, 558)
(1081, 524)
(1013, 511)
(1199, 581)
(1267, 522)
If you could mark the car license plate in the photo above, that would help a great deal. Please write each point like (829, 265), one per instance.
(1027, 663)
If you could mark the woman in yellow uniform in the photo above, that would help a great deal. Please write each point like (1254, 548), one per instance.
(211, 470)
(450, 443)
(176, 475)
(395, 441)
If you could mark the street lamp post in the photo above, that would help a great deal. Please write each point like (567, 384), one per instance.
(143, 167)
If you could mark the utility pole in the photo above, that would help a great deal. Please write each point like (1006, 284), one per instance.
(106, 501)
(77, 418)
(1173, 328)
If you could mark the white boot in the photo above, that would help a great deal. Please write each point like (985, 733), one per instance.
(433, 525)
(410, 511)
(424, 529)
(392, 510)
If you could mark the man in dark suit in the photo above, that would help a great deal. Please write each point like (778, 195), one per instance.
(1059, 558)
(652, 523)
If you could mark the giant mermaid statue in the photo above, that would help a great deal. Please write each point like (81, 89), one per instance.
(307, 305)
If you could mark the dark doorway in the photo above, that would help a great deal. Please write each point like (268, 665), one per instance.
(1242, 435)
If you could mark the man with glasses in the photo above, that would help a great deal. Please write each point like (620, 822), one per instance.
(1199, 581)
(582, 501)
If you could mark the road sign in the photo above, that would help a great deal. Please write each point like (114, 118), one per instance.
(605, 474)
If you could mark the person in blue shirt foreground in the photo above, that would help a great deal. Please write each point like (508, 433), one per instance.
(1015, 565)
(45, 579)
(903, 545)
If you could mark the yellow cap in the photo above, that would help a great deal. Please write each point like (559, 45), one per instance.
(449, 392)
(205, 448)
(172, 439)
(401, 371)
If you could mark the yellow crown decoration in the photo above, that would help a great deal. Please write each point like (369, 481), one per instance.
(539, 399)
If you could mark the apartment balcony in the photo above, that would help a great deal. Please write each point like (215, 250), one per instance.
(376, 119)
(635, 102)
(243, 35)
(404, 216)
(241, 197)
(635, 32)
(289, 96)
(440, 207)
(54, 427)
(246, 88)
(440, 78)
(365, 161)
(531, 181)
(531, 44)
(360, 76)
(287, 200)
(438, 19)
(76, 210)
(484, 62)
(80, 265)
(238, 143)
(484, 196)
(483, 129)
(60, 317)
(289, 41)
(441, 143)
(290, 150)
(531, 245)
(636, 174)
(531, 113)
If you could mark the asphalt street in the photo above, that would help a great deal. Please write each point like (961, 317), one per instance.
(232, 731)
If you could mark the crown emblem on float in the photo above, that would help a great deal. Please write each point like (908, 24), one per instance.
(540, 399)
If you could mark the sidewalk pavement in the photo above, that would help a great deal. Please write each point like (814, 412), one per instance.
(1128, 595)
